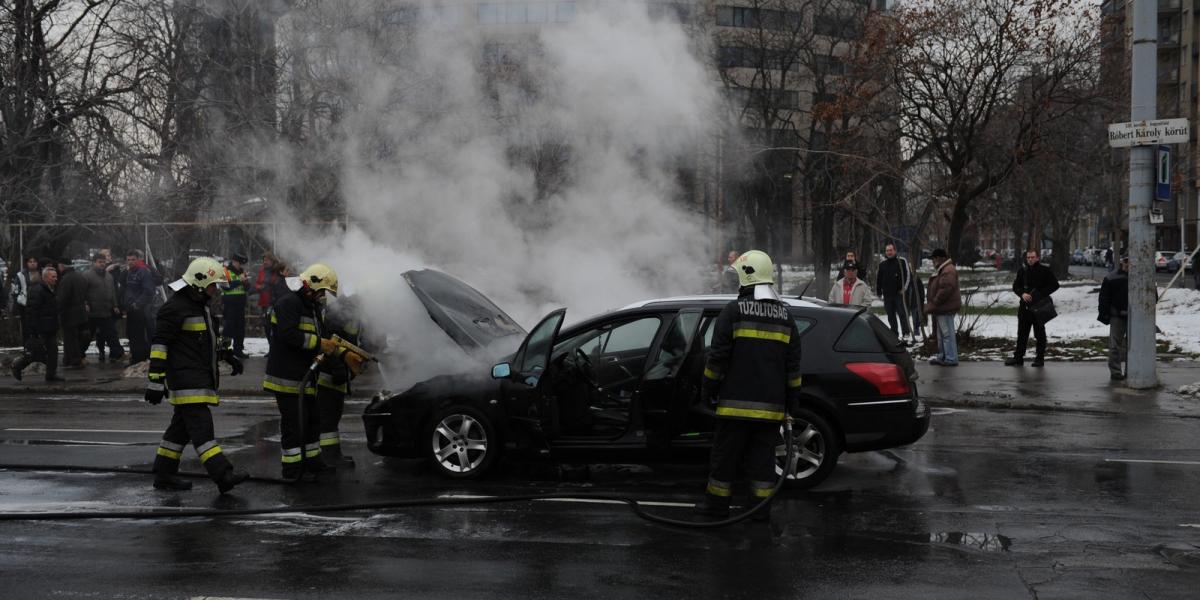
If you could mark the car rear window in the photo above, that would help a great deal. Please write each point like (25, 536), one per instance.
(860, 336)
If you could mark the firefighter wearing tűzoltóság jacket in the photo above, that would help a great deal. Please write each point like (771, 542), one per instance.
(183, 367)
(298, 333)
(233, 305)
(753, 368)
(333, 379)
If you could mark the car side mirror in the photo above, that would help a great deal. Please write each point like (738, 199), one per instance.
(501, 371)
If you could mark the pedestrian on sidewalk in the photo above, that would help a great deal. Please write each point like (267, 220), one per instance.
(41, 310)
(71, 295)
(23, 282)
(891, 284)
(102, 307)
(850, 257)
(1034, 283)
(1114, 312)
(943, 301)
(729, 276)
(136, 302)
(851, 290)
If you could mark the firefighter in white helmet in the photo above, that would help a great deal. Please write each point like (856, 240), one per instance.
(299, 336)
(752, 370)
(183, 368)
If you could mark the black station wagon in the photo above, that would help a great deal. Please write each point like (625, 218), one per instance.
(625, 385)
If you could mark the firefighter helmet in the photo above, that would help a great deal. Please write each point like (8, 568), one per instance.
(203, 272)
(754, 268)
(318, 277)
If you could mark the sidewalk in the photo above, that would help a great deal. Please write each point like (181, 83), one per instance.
(1059, 386)
(106, 379)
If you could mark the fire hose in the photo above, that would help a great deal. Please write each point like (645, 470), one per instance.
(379, 505)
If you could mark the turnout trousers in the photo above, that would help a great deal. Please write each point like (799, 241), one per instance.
(742, 447)
(299, 434)
(331, 404)
(233, 326)
(191, 423)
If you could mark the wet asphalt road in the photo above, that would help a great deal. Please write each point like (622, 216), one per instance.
(990, 504)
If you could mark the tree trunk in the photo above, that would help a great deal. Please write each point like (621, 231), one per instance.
(958, 224)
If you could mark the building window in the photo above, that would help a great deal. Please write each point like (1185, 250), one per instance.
(729, 57)
(829, 65)
(537, 12)
(836, 26)
(514, 13)
(755, 18)
(490, 14)
(564, 12)
(758, 99)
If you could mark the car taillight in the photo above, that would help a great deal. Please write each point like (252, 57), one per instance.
(888, 378)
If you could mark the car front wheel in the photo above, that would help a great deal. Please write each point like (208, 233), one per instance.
(461, 442)
(815, 450)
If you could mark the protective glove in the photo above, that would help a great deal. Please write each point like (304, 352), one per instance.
(234, 362)
(328, 346)
(154, 397)
(356, 363)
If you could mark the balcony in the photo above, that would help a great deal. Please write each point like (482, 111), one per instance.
(1168, 76)
(1168, 6)
(1168, 38)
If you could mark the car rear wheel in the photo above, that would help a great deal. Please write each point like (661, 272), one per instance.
(815, 450)
(462, 442)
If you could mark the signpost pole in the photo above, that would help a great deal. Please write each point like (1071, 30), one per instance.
(1141, 371)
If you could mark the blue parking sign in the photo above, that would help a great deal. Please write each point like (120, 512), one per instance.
(1162, 179)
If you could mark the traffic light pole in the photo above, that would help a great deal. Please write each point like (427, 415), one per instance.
(1141, 370)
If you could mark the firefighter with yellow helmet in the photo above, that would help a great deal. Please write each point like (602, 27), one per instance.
(752, 370)
(183, 369)
(299, 336)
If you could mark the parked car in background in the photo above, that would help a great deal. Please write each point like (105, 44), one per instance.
(1162, 261)
(1179, 259)
(625, 385)
(1079, 257)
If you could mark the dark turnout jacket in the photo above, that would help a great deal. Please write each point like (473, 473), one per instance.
(334, 373)
(753, 364)
(296, 332)
(183, 353)
(1038, 281)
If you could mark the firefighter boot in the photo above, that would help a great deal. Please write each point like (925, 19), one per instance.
(334, 458)
(762, 515)
(713, 506)
(231, 477)
(166, 481)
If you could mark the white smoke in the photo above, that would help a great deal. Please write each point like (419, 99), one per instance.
(430, 182)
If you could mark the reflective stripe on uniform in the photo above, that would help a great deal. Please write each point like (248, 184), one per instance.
(168, 453)
(762, 331)
(307, 324)
(197, 396)
(325, 380)
(285, 386)
(208, 450)
(157, 386)
(761, 489)
(762, 411)
(158, 351)
(711, 374)
(291, 455)
(352, 329)
(312, 450)
(310, 341)
(719, 488)
(795, 381)
(194, 324)
(154, 375)
(331, 439)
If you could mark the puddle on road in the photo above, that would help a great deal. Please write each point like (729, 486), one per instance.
(987, 542)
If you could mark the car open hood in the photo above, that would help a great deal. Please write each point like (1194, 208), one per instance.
(467, 316)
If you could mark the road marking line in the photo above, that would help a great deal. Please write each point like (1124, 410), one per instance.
(1154, 462)
(1196, 525)
(577, 500)
(155, 431)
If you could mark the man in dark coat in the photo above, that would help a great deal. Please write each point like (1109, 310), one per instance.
(1114, 312)
(1034, 282)
(41, 310)
(137, 301)
(891, 283)
(102, 307)
(72, 308)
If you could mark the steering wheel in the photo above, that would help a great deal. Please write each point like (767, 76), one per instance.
(584, 363)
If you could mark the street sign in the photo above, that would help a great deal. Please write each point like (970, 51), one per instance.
(1162, 177)
(1156, 216)
(1148, 133)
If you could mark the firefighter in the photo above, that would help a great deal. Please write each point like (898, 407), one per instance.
(299, 337)
(233, 305)
(752, 370)
(183, 368)
(333, 380)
